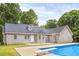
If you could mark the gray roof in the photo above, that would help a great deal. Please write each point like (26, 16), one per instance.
(23, 28)
(56, 30)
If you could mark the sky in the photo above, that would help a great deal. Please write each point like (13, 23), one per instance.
(46, 11)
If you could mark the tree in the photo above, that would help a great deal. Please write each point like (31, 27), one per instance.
(72, 20)
(29, 17)
(51, 23)
(10, 12)
(1, 35)
(42, 26)
(1, 21)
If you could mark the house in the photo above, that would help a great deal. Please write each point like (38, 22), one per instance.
(22, 33)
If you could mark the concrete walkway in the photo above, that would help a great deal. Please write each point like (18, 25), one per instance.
(30, 51)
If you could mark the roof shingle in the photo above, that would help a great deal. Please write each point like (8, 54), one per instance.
(22, 28)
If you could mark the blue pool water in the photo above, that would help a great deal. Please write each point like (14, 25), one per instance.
(66, 50)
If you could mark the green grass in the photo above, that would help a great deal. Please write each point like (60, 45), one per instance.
(8, 50)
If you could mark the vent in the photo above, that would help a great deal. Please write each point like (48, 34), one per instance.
(29, 27)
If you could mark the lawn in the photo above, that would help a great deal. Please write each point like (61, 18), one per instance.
(8, 50)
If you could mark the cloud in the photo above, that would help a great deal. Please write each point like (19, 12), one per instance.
(43, 14)
(49, 11)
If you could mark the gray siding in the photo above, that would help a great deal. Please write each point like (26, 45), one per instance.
(65, 36)
(20, 39)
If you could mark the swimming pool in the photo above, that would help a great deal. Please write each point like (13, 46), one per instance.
(66, 50)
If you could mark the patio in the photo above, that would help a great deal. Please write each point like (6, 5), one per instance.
(30, 51)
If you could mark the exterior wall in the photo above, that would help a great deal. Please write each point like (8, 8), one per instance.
(41, 39)
(50, 39)
(53, 39)
(35, 38)
(20, 39)
(65, 36)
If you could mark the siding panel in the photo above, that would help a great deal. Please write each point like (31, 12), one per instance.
(20, 39)
(65, 36)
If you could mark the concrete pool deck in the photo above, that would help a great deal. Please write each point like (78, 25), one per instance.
(30, 51)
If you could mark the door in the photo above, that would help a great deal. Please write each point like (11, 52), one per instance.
(48, 39)
(56, 38)
(31, 38)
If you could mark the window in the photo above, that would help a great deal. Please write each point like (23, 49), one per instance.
(39, 36)
(25, 36)
(15, 36)
(29, 28)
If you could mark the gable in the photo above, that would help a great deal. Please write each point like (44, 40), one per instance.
(67, 30)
